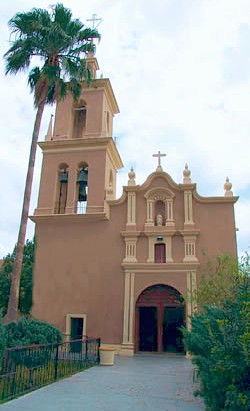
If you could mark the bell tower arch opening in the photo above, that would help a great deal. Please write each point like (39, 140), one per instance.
(160, 312)
(62, 188)
(82, 188)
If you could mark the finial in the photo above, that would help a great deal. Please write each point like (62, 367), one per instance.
(227, 188)
(186, 175)
(49, 135)
(159, 155)
(131, 175)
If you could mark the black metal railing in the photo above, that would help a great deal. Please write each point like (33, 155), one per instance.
(27, 368)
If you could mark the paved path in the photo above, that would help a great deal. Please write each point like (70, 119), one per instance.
(139, 383)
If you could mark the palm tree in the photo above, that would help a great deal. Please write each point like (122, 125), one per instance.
(61, 44)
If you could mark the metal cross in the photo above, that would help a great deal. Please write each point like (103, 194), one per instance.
(95, 19)
(159, 155)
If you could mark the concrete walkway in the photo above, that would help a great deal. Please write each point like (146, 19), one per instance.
(140, 383)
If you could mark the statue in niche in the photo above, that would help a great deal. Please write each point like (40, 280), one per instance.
(159, 220)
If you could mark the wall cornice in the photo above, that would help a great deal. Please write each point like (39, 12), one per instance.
(68, 218)
(149, 268)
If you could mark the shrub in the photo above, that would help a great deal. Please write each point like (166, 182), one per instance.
(2, 341)
(31, 331)
(219, 340)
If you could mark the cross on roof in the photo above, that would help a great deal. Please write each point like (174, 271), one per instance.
(159, 155)
(95, 19)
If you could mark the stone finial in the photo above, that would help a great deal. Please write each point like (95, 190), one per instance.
(131, 175)
(227, 188)
(186, 175)
(49, 135)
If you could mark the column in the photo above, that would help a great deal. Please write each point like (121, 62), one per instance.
(169, 212)
(127, 347)
(150, 212)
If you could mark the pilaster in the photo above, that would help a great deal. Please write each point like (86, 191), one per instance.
(127, 347)
(188, 208)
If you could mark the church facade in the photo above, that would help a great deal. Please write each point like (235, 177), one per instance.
(124, 270)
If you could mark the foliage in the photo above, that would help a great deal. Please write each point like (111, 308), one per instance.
(219, 340)
(25, 293)
(2, 341)
(219, 279)
(31, 331)
(60, 42)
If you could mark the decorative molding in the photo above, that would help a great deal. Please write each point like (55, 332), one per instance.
(68, 218)
(149, 268)
(83, 144)
(159, 193)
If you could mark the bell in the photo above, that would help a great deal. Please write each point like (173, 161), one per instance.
(63, 176)
(83, 176)
(82, 191)
(83, 182)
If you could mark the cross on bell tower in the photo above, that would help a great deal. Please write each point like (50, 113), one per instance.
(159, 155)
(95, 21)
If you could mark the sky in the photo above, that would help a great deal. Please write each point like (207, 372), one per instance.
(180, 70)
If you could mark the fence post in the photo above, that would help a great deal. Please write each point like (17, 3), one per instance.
(56, 362)
(86, 350)
(98, 351)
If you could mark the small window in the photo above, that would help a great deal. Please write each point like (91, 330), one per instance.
(80, 114)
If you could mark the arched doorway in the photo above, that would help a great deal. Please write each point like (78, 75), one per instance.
(160, 312)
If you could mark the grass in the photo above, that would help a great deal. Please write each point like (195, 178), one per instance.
(24, 380)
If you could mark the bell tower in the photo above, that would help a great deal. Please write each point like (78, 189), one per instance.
(80, 158)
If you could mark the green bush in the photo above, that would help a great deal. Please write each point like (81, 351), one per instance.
(219, 340)
(30, 331)
(2, 341)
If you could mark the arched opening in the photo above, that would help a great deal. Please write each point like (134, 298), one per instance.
(160, 312)
(62, 189)
(160, 218)
(80, 115)
(82, 189)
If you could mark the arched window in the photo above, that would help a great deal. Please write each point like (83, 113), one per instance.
(80, 115)
(62, 190)
(160, 253)
(159, 210)
(82, 189)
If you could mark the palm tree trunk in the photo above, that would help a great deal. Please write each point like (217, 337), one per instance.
(12, 313)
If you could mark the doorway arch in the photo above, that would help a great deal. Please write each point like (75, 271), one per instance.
(160, 312)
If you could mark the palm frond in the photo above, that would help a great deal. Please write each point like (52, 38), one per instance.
(24, 24)
(62, 44)
(88, 33)
(33, 77)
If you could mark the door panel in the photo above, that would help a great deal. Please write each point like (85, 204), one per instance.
(148, 329)
(172, 337)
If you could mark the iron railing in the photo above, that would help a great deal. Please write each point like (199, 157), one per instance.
(27, 368)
